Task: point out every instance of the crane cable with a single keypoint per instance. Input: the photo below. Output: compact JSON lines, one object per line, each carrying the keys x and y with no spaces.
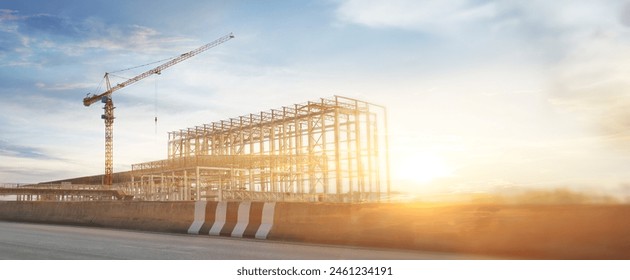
{"x":98,"y":88}
{"x":155,"y":107}
{"x":143,"y":65}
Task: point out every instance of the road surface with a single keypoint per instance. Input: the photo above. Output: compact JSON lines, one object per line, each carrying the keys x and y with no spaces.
{"x":24,"y":241}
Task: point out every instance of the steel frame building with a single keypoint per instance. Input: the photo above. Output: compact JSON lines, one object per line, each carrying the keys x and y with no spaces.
{"x":334,"y":149}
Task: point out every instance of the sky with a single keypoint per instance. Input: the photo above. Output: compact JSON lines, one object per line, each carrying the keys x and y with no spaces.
{"x":481,"y":95}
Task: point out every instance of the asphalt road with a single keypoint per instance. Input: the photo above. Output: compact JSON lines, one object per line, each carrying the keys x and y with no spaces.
{"x":23,"y":241}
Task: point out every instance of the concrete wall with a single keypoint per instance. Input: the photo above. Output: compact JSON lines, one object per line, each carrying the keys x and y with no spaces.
{"x":518,"y":231}
{"x":140,"y":215}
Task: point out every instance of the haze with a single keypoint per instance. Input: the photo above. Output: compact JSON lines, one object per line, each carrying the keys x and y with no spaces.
{"x":480,"y":94}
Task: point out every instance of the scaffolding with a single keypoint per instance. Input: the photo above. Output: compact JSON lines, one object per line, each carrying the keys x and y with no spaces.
{"x":334,"y":149}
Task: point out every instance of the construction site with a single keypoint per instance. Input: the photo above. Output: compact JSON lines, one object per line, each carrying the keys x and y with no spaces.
{"x":332,"y":149}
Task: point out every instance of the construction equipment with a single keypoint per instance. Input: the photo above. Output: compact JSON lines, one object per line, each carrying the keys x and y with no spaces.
{"x":106,"y":98}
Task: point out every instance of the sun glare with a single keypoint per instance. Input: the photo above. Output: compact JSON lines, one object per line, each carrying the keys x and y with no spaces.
{"x":421,"y":168}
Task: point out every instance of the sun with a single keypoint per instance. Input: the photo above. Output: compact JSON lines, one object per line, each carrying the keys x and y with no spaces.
{"x":420,"y":168}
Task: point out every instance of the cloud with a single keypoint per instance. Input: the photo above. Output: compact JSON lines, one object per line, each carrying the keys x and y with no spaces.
{"x":51,"y":40}
{"x":624,"y":16}
{"x":429,"y":16}
{"x":32,"y":170}
{"x":20,"y":151}
{"x":63,"y":86}
{"x":536,"y":21}
{"x":11,"y":41}
{"x":579,"y":48}
{"x":133,"y":39}
{"x":38,"y":27}
{"x":50,"y":25}
{"x":591,"y":82}
{"x":7,"y":19}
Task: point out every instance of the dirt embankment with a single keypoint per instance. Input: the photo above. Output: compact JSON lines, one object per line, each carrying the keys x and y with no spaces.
{"x":512,"y":231}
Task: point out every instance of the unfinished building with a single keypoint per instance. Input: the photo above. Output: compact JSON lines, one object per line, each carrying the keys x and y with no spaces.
{"x":334,"y":149}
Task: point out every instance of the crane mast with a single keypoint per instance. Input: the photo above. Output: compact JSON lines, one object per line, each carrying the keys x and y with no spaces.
{"x":105,"y":97}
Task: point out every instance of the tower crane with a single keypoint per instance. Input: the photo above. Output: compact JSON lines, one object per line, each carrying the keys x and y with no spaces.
{"x":106,"y":98}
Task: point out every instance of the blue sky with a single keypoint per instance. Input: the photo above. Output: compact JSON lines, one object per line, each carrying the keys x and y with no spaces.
{"x":481,"y":94}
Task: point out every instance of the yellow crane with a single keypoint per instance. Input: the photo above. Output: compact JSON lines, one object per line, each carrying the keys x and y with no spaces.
{"x":106,"y":97}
